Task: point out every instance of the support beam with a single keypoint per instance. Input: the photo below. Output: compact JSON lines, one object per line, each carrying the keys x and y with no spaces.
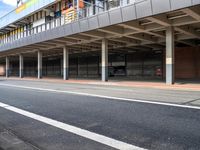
{"x":65,"y":63}
{"x":170,"y":55}
{"x":39,"y":64}
{"x":162,"y":20}
{"x":7,"y":67}
{"x":116,"y":30}
{"x":142,"y":29}
{"x":104,"y":60}
{"x":81,"y":36}
{"x":95,"y":34}
{"x":21,"y":66}
{"x":189,"y":31}
{"x":143,"y":37}
{"x":193,"y":12}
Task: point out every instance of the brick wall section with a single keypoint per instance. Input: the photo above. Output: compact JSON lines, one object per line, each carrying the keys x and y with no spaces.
{"x":187,"y":62}
{"x":2,"y":70}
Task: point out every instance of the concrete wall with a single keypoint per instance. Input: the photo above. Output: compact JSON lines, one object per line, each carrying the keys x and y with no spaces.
{"x":84,"y":66}
{"x":52,"y":67}
{"x":144,"y":64}
{"x":133,"y":65}
{"x":30,"y":66}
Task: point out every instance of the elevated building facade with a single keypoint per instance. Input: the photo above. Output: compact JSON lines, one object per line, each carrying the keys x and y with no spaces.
{"x":112,"y":39}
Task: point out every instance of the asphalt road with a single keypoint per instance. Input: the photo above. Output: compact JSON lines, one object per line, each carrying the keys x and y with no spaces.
{"x":148,"y":126}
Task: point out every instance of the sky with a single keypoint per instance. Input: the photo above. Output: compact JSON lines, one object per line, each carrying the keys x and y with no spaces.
{"x":6,"y":6}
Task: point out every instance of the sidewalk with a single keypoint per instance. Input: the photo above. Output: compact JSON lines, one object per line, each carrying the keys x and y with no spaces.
{"x":180,"y":93}
{"x":145,"y":84}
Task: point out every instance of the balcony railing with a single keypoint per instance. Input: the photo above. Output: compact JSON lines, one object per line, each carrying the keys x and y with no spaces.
{"x":30,"y":6}
{"x":71,"y":16}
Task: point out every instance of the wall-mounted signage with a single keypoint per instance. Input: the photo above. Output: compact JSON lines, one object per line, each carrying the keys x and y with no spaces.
{"x":26,"y":5}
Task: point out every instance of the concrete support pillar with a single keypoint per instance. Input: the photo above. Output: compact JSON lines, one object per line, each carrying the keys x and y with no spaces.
{"x":170,"y":55}
{"x":65,"y":63}
{"x":39,"y":64}
{"x":7,"y":67}
{"x":21,"y":66}
{"x":104,"y":60}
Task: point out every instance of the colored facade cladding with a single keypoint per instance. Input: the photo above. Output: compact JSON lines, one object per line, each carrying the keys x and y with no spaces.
{"x":26,"y":5}
{"x":27,"y":8}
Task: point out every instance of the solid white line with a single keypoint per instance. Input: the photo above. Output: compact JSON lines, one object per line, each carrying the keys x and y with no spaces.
{"x":102,"y":96}
{"x":75,"y":130}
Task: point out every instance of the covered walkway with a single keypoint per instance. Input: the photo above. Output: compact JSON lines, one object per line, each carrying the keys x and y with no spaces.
{"x":164,"y":47}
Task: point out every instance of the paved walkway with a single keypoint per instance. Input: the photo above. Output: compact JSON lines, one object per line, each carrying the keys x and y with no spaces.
{"x":149,"y":91}
{"x":190,"y":86}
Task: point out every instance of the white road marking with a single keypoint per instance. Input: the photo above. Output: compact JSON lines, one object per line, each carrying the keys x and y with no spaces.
{"x":75,"y":130}
{"x":102,"y":96}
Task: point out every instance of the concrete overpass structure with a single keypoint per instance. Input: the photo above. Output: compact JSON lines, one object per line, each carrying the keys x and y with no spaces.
{"x":116,"y":38}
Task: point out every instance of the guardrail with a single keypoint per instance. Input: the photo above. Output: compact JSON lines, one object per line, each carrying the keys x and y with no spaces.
{"x":74,"y":15}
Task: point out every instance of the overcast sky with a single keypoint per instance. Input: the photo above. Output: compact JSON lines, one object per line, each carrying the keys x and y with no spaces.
{"x":6,"y":6}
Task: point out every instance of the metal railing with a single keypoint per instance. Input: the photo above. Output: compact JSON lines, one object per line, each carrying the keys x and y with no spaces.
{"x":87,"y":11}
{"x":20,"y":12}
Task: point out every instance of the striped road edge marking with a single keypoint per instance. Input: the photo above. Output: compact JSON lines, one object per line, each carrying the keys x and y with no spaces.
{"x":102,"y":96}
{"x":75,"y":130}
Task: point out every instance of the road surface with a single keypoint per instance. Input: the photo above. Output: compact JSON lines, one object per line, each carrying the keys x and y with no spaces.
{"x":53,"y":120}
